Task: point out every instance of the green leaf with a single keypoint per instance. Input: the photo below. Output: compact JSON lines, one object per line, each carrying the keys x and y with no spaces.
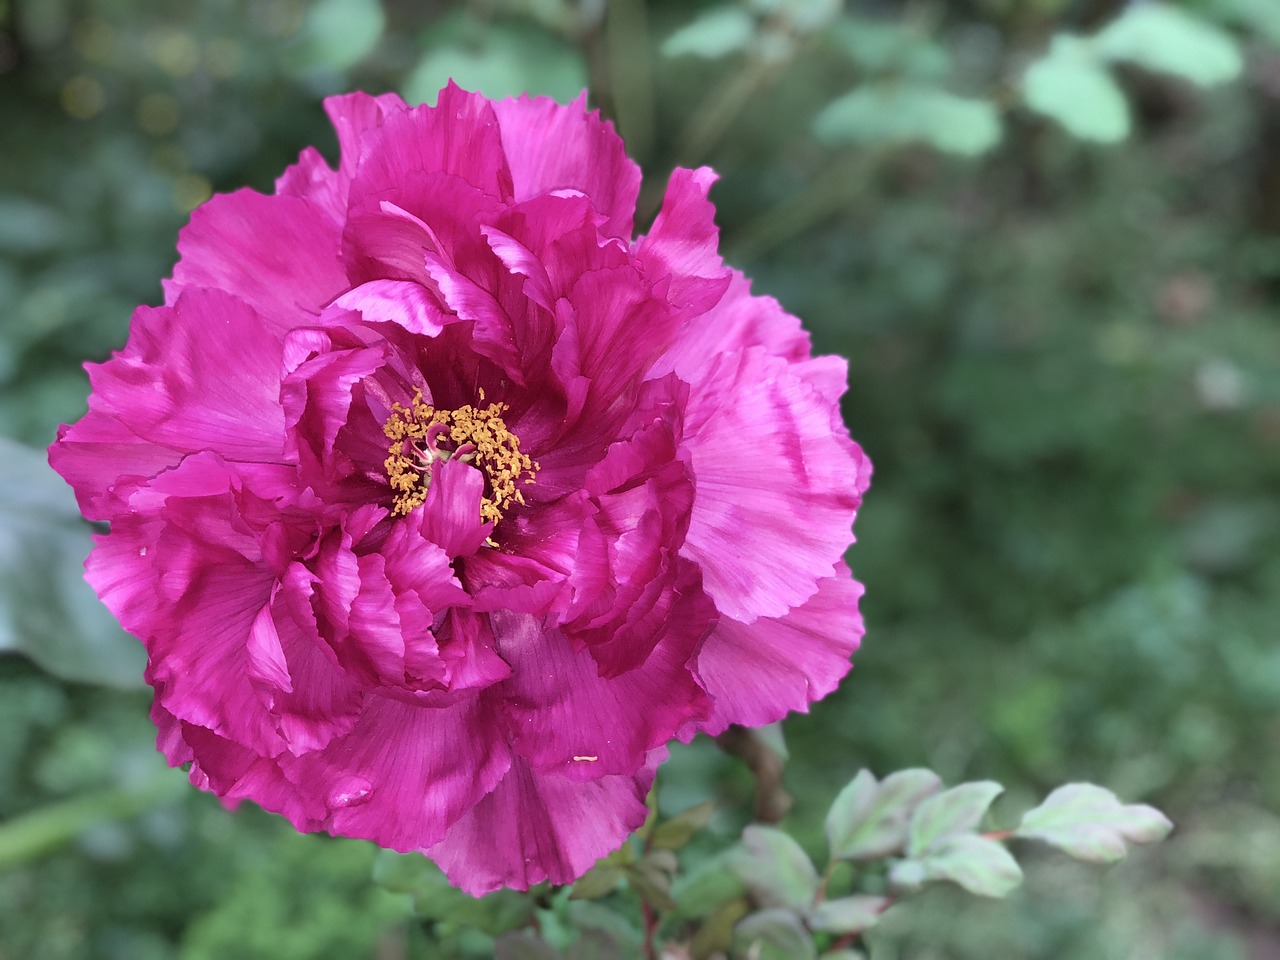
{"x":523,"y":946}
{"x":773,"y":934}
{"x":1089,"y":823}
{"x":598,"y":945}
{"x":715,"y":935}
{"x":843,"y":955}
{"x":498,"y":61}
{"x":882,"y":46}
{"x":896,"y":113}
{"x":651,"y":880}
{"x":977,"y":864}
{"x":47,"y":611}
{"x":1169,"y":40}
{"x":707,"y":886}
{"x":869,"y":820}
{"x":679,"y":830}
{"x":434,"y":898}
{"x":338,"y":34}
{"x":775,"y":868}
{"x":600,"y":881}
{"x":1069,"y":85}
{"x":958,"y":810}
{"x":847,"y":914}
{"x":712,"y":34}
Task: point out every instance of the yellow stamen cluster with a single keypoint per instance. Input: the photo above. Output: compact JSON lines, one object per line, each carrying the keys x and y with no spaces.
{"x":475,"y":435}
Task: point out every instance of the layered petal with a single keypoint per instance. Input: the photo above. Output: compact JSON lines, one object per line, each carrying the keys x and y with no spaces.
{"x":756,"y":673}
{"x":778,"y":484}
{"x":541,"y":826}
{"x":279,"y":254}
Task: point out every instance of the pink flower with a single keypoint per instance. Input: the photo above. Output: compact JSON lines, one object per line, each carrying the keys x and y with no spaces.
{"x":441,"y":505}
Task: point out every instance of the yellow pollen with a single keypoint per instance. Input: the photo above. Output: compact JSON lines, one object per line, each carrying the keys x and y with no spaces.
{"x":421,"y":434}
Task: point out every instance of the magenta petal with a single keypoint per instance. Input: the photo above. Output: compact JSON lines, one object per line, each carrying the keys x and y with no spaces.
{"x":395,"y":301}
{"x":280,"y":255}
{"x":738,"y":321}
{"x":541,"y":826}
{"x":458,"y":136}
{"x":759,"y":672}
{"x":777,"y":482}
{"x":450,"y":517}
{"x":563,"y":717}
{"x":589,"y":157}
{"x":682,"y":245}
{"x":399,"y":778}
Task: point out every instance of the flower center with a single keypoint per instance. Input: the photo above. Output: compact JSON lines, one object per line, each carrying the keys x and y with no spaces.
{"x":421,"y":434}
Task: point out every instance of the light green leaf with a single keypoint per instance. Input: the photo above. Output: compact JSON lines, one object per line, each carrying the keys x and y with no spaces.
{"x":908,"y":112}
{"x":1167,"y":39}
{"x":869,"y":820}
{"x":1257,"y":15}
{"x":1072,"y":87}
{"x":523,"y":946}
{"x":847,"y":914}
{"x":977,"y":864}
{"x":953,"y":811}
{"x":775,"y":868}
{"x":1088,"y":822}
{"x":675,"y":833}
{"x":710,"y":884}
{"x":47,"y":611}
{"x":338,"y":34}
{"x":712,"y":34}
{"x":772,"y":935}
{"x":497,"y":61}
{"x":885,"y":46}
{"x":600,"y":881}
{"x":435,"y":898}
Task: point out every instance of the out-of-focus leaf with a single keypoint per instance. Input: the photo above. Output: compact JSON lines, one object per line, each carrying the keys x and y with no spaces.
{"x":47,"y":611}
{"x":843,"y":955}
{"x":27,"y":226}
{"x":434,"y":898}
{"x":498,"y":61}
{"x":600,"y":881}
{"x":679,"y":830}
{"x":894,"y":113}
{"x":523,"y":946}
{"x":1071,"y":86}
{"x":977,"y":864}
{"x":715,"y":935}
{"x":953,"y":811}
{"x":881,"y":46}
{"x":712,"y":34}
{"x":338,"y":34}
{"x":1164,"y":38}
{"x":775,"y":868}
{"x":847,"y":914}
{"x":707,"y":886}
{"x":1259,"y":15}
{"x":773,"y":934}
{"x":1088,"y":822}
{"x":598,"y":945}
{"x":652,"y":883}
{"x":870,"y":820}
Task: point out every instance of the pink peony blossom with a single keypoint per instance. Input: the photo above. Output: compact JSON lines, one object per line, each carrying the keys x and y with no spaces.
{"x":441,"y":505}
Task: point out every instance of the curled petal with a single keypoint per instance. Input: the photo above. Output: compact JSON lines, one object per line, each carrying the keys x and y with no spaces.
{"x":778,"y":485}
{"x":757,"y":673}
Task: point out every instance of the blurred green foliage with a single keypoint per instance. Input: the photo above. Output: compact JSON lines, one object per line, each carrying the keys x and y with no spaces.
{"x":1046,"y":233}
